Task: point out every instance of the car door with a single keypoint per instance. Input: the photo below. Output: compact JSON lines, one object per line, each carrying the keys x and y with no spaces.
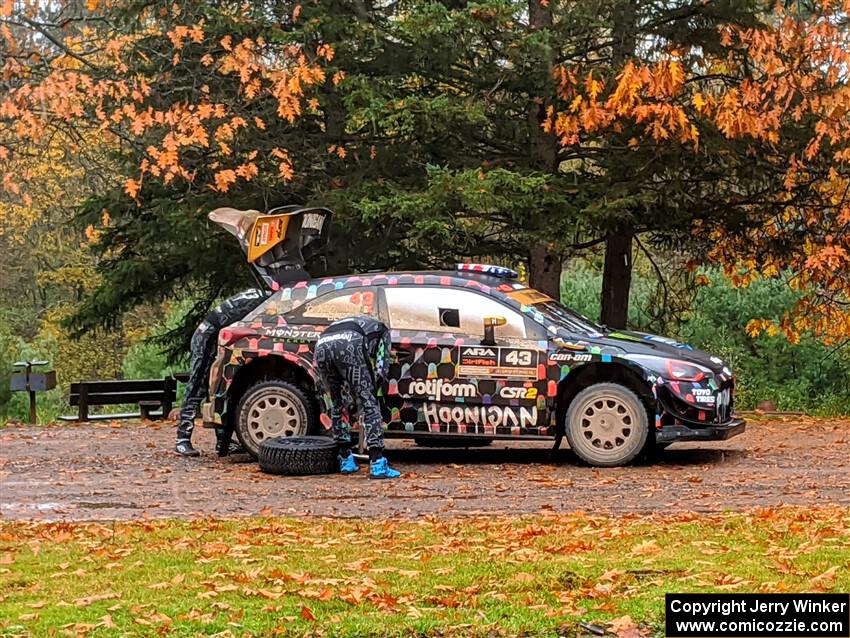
{"x":305,"y":324}
{"x":445,"y":380}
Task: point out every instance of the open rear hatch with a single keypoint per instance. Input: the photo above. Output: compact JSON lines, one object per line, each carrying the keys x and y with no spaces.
{"x":279,"y":243}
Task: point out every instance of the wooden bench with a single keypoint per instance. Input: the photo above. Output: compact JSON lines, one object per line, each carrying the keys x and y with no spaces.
{"x":149,"y":394}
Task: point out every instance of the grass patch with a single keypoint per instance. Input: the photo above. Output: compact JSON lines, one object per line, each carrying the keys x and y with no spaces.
{"x":530,"y":576}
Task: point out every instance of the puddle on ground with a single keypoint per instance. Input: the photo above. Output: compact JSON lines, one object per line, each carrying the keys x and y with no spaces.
{"x":101,"y":505}
{"x":41,"y":507}
{"x":8,"y":508}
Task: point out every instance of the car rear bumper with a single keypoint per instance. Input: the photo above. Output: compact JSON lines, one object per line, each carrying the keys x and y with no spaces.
{"x":671,"y":433}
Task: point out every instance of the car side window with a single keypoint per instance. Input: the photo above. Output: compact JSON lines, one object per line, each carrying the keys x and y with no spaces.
{"x":340,"y":304}
{"x":448,"y":310}
{"x":274,"y":305}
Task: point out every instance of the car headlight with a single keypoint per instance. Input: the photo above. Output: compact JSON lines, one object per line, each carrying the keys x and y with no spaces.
{"x":673,"y":369}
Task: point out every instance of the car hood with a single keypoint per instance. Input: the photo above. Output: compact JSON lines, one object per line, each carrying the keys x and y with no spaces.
{"x":643,"y":343}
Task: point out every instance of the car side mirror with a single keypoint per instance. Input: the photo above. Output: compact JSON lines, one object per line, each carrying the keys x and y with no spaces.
{"x":490,"y":324}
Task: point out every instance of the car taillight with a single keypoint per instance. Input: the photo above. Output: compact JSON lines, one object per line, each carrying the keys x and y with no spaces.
{"x":683,"y":371}
{"x":230,"y":335}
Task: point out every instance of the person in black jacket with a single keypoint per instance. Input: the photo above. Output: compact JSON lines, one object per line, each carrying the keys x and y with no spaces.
{"x":203,"y":349}
{"x":277,"y":245}
{"x":356,"y":352}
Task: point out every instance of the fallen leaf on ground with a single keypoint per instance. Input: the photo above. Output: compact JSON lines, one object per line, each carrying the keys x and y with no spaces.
{"x":624,"y":627}
{"x":88,"y":600}
{"x":647,"y":547}
{"x":106,"y":621}
{"x":825,"y":578}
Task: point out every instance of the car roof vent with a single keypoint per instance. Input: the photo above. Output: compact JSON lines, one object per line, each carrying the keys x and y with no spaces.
{"x":489,"y":269}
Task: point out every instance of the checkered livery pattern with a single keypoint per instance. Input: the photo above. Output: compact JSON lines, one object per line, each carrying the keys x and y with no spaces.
{"x":431,"y":388}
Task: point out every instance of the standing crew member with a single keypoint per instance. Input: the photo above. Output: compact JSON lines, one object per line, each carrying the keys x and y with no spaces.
{"x":355,"y":352}
{"x":277,"y":246}
{"x":203,"y":349}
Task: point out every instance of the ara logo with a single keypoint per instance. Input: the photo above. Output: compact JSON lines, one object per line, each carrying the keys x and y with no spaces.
{"x":478,"y":352}
{"x":437,"y":389}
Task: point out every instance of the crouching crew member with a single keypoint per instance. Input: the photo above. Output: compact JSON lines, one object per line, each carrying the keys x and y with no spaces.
{"x":356,"y":352}
{"x":203,"y":348}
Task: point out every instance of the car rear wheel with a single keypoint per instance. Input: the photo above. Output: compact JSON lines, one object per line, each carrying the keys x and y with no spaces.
{"x":269,"y":409}
{"x":607,"y":424}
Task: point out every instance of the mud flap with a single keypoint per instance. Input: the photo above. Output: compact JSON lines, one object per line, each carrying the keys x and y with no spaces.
{"x":560,"y":430}
{"x":223,"y":436}
{"x":559,"y":436}
{"x":209,"y":417}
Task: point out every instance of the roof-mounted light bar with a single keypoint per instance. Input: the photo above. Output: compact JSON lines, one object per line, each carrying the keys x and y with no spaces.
{"x":489,"y":269}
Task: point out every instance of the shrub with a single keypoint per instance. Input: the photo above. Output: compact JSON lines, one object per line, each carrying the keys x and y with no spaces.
{"x":808,"y":376}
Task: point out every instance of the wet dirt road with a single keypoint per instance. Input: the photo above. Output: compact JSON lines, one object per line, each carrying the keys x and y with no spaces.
{"x":122,"y":471}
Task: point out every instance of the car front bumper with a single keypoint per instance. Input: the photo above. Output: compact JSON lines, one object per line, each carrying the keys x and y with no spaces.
{"x":672,"y":433}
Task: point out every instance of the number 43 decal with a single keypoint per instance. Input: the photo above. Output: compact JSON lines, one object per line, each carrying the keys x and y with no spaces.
{"x":516,"y":358}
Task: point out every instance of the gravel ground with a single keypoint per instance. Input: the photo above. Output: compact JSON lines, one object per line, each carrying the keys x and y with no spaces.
{"x":127,"y":470}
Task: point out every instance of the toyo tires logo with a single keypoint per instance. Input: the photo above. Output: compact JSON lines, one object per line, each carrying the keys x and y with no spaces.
{"x":437,"y":389}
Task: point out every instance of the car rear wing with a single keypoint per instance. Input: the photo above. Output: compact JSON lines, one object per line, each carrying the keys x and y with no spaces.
{"x":278,"y":243}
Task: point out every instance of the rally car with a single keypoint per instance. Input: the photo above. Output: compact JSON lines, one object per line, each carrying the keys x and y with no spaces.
{"x":477,"y":356}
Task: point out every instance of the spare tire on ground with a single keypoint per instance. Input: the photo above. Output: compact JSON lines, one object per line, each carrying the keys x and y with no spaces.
{"x":299,"y":455}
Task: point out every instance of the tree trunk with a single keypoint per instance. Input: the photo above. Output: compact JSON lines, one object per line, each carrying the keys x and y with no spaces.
{"x":544,"y":270}
{"x":616,"y":280}
{"x":544,"y":264}
{"x":617,"y":275}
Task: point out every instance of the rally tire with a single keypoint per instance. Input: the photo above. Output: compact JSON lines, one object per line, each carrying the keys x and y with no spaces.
{"x":607,"y":425}
{"x":271,"y":408}
{"x":299,"y":455}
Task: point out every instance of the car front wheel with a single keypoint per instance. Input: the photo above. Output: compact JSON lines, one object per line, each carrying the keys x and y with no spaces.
{"x":607,"y":424}
{"x":269,"y":409}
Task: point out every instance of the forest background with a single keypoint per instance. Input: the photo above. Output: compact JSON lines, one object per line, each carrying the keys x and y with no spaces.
{"x":678,"y":168}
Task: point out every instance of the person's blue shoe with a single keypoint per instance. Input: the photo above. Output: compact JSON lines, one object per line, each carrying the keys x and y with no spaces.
{"x":348,"y":465}
{"x":380,"y":469}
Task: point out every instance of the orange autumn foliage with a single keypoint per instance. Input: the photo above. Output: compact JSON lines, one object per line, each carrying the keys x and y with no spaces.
{"x":768,"y":84}
{"x":66,"y":82}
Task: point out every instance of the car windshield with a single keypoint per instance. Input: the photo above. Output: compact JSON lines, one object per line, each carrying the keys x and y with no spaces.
{"x":556,"y":313}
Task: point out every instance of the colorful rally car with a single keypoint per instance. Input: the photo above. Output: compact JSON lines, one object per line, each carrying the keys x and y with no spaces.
{"x":477,"y":356}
